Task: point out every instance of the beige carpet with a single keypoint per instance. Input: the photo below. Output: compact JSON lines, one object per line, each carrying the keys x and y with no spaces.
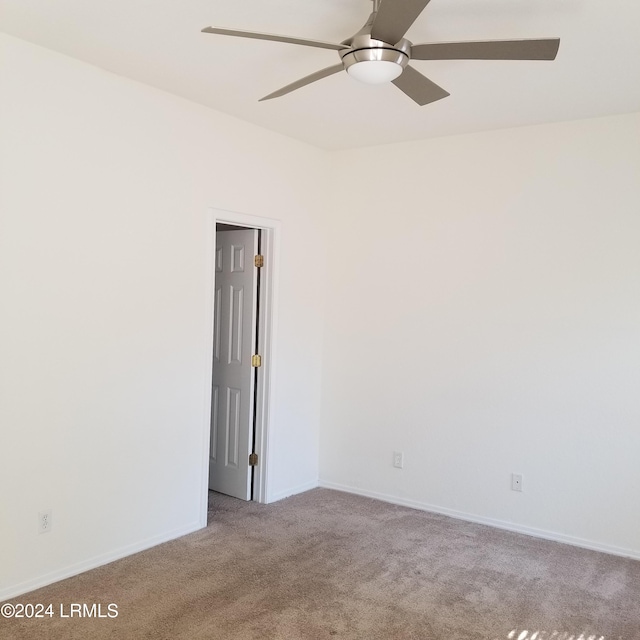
{"x":328,"y":565}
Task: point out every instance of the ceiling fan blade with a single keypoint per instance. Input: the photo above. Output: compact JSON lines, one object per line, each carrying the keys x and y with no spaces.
{"x":543,"y":49}
{"x":269,"y":36}
{"x":318,"y":75}
{"x":394,"y":18}
{"x":419,"y":88}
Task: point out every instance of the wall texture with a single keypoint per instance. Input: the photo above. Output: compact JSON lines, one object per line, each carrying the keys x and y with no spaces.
{"x":106,"y":186}
{"x":484,"y":318}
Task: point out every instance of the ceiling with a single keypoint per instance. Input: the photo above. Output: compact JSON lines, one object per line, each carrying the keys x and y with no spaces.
{"x":158,"y":42}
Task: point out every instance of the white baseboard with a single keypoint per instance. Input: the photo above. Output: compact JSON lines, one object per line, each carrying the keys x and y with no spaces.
{"x":92,"y":563}
{"x":280,"y":495}
{"x":491,"y":522}
{"x":97,"y":561}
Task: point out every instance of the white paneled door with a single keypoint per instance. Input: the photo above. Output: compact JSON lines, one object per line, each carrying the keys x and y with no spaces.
{"x":233,"y":376}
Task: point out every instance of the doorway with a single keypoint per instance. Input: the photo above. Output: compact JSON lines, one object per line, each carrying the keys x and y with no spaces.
{"x":242,"y":322}
{"x":236,"y":360}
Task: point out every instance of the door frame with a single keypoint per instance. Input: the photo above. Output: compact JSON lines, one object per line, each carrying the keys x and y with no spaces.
{"x":267,"y":323}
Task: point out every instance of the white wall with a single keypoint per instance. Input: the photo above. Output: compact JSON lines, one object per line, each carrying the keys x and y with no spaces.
{"x":483,"y":317}
{"x":105,"y":186}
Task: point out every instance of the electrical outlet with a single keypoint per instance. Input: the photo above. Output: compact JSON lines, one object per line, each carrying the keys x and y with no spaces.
{"x":398,"y":459}
{"x":45,"y":521}
{"x":516,"y":482}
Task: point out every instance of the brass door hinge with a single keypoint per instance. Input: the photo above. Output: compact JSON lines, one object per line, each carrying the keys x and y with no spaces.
{"x":256,"y":361}
{"x":253,"y":459}
{"x":259,"y":261}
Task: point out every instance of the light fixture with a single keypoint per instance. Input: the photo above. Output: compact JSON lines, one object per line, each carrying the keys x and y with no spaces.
{"x":375,"y":64}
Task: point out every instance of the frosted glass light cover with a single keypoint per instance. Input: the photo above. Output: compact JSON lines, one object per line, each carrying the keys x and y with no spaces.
{"x":375,"y":71}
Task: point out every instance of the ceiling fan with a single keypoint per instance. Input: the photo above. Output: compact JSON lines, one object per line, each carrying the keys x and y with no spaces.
{"x":379,"y":52}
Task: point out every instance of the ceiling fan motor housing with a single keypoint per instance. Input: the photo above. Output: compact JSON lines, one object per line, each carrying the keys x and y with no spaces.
{"x":364,"y":49}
